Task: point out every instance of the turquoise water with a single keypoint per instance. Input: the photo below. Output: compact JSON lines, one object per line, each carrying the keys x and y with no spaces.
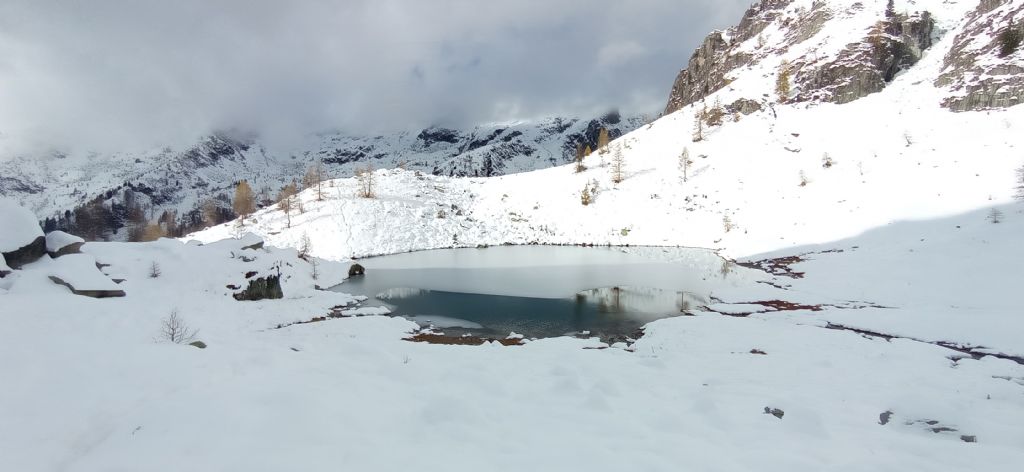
{"x":537,"y":291}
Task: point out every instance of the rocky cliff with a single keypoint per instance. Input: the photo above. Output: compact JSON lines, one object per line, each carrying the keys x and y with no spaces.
{"x":839,"y":51}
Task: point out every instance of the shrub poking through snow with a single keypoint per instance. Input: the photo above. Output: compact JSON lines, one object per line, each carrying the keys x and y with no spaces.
{"x":154,"y":270}
{"x":585,"y":197}
{"x":727,"y":223}
{"x":803,"y":179}
{"x":174,"y":329}
{"x":827,"y":162}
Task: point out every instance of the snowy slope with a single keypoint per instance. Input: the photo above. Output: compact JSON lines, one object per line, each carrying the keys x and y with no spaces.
{"x":896,"y":155}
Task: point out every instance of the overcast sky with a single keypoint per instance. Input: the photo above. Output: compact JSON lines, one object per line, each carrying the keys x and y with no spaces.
{"x":116,"y":74}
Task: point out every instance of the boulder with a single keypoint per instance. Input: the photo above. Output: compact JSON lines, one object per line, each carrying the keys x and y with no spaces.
{"x":59,"y":243}
{"x":21,"y":241}
{"x":4,"y":269}
{"x":356,"y":269}
{"x":79,"y":274}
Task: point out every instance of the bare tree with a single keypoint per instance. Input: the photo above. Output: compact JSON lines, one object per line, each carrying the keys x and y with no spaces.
{"x":367,"y":181}
{"x":286,"y":201}
{"x":995,"y":216}
{"x":314,"y":179}
{"x":174,"y":329}
{"x":618,"y":166}
{"x":154,"y":270}
{"x":579,"y":159}
{"x":685,"y":163}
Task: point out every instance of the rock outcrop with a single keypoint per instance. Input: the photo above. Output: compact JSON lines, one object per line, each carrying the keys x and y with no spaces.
{"x":21,"y":240}
{"x":59,"y":243}
{"x":975,"y":70}
{"x":262,"y":288}
{"x":867,"y":66}
{"x":709,"y":66}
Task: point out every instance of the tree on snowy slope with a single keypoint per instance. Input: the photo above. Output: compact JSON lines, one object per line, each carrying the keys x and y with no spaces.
{"x":314,"y":178}
{"x":366,"y":180}
{"x":286,"y":201}
{"x":685,"y":163}
{"x":579,"y":159}
{"x":245,"y":202}
{"x":602,"y":141}
{"x":618,"y":166}
{"x":782,"y":82}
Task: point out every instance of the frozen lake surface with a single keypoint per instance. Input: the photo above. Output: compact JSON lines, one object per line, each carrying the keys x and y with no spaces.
{"x":543,"y":291}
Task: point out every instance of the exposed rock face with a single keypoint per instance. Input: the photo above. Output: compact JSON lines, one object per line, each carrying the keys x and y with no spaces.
{"x":865,"y":67}
{"x":263,"y":288}
{"x":26,"y":254}
{"x":708,"y":68}
{"x":973,"y":69}
{"x":743,"y":106}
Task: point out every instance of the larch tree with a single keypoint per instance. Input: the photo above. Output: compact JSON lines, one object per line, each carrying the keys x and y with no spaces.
{"x":245,"y":201}
{"x":698,"y":127}
{"x":618,"y":166}
{"x":314,"y":179}
{"x":579,"y":159}
{"x":685,"y":163}
{"x":286,"y":201}
{"x":782,"y":82}
{"x":602,"y":141}
{"x":210,"y":213}
{"x":366,"y":181}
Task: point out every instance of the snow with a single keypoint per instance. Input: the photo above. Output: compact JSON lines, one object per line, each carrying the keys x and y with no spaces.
{"x":57,"y":240}
{"x":19,"y":226}
{"x":895,"y":239}
{"x":80,"y":271}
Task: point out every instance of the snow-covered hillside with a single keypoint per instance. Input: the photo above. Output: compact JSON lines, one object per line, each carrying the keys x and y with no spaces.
{"x":784,"y":176}
{"x":182,"y":179}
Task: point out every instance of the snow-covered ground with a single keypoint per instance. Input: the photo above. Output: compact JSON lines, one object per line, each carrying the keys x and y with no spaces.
{"x":89,"y":387}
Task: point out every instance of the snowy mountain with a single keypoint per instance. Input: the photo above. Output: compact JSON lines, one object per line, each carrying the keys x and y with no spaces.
{"x":181,"y":180}
{"x":772,"y":172}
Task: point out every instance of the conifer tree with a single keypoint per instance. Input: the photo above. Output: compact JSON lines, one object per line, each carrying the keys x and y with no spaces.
{"x":782,"y":82}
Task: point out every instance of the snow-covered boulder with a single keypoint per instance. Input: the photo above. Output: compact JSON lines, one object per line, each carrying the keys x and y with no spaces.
{"x":21,"y":238}
{"x":78,"y":273}
{"x":59,"y":243}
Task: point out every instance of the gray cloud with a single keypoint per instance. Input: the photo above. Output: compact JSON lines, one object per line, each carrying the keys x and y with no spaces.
{"x":111,"y":74}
